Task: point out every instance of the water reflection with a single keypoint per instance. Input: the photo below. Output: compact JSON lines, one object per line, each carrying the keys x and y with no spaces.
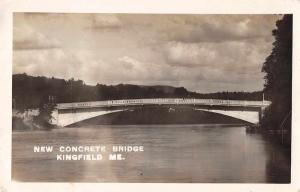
{"x":173,"y":153}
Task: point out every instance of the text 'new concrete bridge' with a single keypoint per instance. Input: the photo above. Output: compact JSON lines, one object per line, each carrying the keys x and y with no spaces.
{"x":69,"y":113}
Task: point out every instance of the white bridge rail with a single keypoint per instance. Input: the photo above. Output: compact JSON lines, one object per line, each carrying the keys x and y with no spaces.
{"x":162,"y":101}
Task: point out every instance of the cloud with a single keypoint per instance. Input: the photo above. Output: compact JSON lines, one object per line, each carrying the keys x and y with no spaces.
{"x":204,"y":53}
{"x":40,"y":42}
{"x":188,"y":55}
{"x":25,"y":37}
{"x":236,"y":56}
{"x":106,"y":21}
{"x":212,"y":28}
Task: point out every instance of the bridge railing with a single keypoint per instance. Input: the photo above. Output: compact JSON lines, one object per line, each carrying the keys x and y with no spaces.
{"x":164,"y":101}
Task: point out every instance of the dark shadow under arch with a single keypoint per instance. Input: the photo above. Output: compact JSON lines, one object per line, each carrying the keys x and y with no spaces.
{"x":160,"y":115}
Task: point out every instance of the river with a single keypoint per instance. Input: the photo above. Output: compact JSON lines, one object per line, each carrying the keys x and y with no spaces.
{"x":172,"y":153}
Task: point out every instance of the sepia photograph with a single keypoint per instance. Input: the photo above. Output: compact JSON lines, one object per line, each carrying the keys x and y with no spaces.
{"x":151,"y":98}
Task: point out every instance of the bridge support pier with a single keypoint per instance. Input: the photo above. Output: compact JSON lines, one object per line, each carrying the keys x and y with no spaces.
{"x":261,"y":114}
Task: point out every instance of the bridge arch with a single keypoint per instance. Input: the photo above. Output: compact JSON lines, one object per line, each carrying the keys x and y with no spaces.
{"x":69,"y":113}
{"x":247,"y":116}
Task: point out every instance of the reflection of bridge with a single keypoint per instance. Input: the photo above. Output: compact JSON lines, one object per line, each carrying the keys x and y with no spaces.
{"x":69,"y":113}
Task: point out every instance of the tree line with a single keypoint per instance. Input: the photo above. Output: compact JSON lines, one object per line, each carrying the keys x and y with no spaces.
{"x":32,"y":92}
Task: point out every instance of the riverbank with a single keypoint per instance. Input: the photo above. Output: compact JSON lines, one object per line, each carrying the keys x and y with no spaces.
{"x":29,"y":121}
{"x":19,"y":124}
{"x":279,"y":136}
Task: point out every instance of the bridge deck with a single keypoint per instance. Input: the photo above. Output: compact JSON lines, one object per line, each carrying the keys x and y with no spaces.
{"x":163,"y":101}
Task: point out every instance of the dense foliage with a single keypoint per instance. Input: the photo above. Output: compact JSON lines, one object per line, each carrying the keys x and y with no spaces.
{"x":34,"y":92}
{"x":278,"y":78}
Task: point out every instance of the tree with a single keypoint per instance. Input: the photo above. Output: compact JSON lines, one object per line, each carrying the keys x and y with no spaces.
{"x":180,"y":92}
{"x":278,"y":78}
{"x":45,"y":113}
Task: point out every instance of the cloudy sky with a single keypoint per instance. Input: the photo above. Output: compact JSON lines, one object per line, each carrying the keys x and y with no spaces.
{"x":204,"y":53}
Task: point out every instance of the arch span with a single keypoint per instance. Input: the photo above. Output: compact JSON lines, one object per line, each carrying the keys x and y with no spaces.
{"x":248,"y":116}
{"x":156,"y":115}
{"x":65,"y":119}
{"x":69,"y":113}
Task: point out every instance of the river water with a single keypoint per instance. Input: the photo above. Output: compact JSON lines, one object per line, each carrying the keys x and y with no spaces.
{"x":172,"y":153}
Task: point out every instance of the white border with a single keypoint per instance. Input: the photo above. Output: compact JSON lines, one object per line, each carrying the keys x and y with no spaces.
{"x":7,"y":7}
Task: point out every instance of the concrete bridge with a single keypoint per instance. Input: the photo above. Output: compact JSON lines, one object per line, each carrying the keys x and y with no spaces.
{"x":69,"y":113}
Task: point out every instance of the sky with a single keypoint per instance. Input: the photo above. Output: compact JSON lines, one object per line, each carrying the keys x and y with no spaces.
{"x":203,"y":53}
